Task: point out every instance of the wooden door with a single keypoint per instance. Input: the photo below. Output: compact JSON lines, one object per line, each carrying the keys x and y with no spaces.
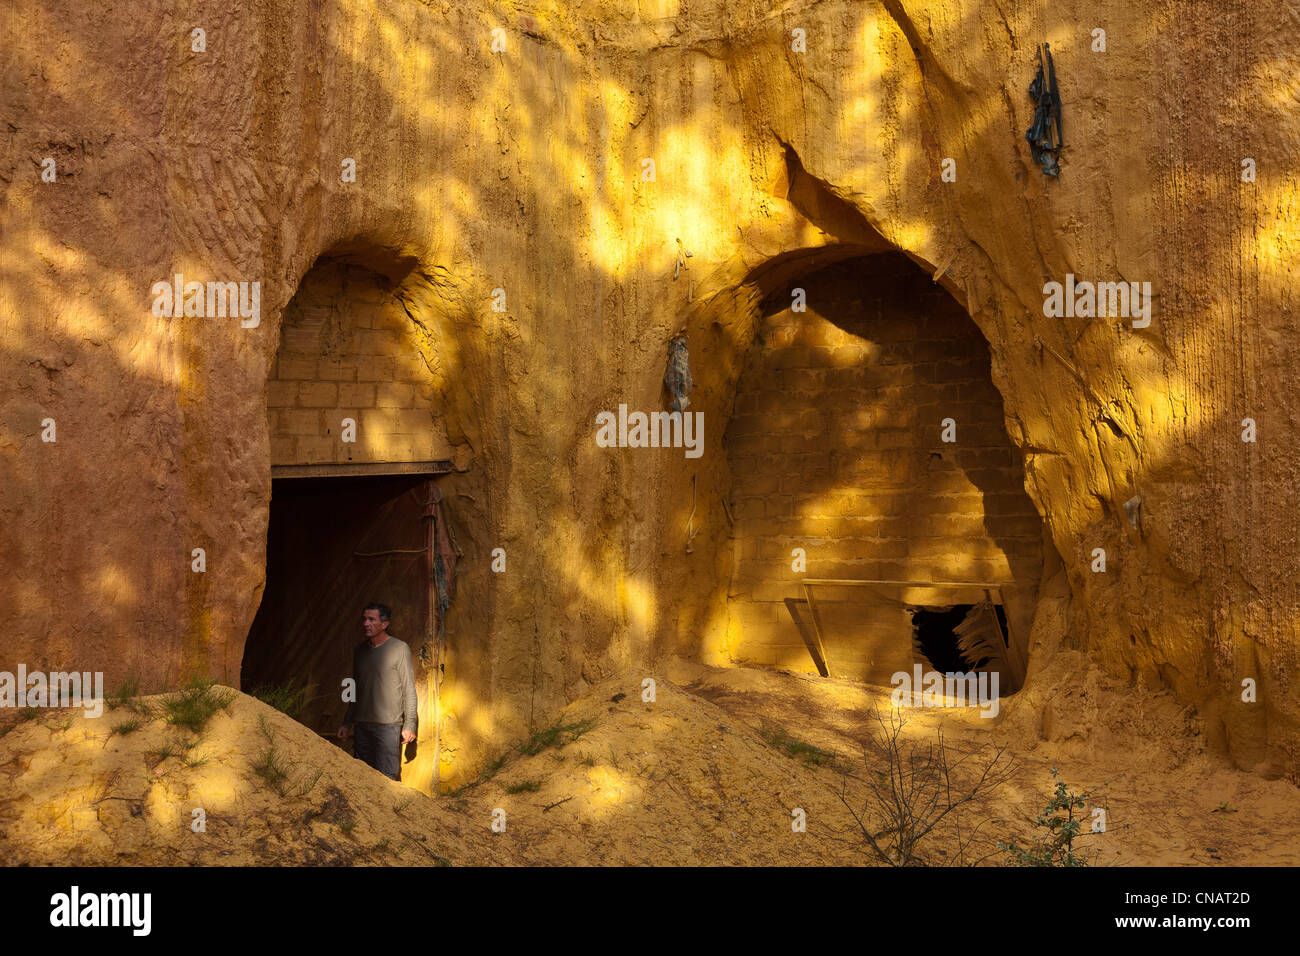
{"x":333,"y":546}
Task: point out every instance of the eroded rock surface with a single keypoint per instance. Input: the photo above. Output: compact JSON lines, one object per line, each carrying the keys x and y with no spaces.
{"x":524,"y":171}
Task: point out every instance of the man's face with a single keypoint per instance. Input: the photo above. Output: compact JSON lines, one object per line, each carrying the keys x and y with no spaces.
{"x":371,"y":623}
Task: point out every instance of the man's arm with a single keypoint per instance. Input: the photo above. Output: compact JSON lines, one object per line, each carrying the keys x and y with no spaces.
{"x":410,"y":719}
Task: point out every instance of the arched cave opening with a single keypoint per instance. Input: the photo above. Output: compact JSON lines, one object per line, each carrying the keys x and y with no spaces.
{"x":863,"y":539}
{"x":357,"y":514}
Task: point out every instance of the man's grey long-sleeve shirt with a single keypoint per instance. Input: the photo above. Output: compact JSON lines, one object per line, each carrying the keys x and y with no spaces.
{"x":385,"y":685}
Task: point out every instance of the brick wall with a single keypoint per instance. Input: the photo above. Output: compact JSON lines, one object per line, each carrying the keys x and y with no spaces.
{"x":348,"y":350}
{"x":834,"y":446}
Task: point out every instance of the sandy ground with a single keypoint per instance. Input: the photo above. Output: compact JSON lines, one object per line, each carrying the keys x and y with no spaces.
{"x":691,"y":778}
{"x":1167,"y":802}
{"x":76,"y":792}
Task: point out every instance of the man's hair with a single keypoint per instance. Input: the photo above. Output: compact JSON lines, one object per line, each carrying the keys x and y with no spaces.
{"x":383,"y":610}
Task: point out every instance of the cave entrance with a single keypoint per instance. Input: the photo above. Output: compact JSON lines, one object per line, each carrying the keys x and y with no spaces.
{"x":362,"y":400}
{"x":336,"y":542}
{"x":841,"y":477}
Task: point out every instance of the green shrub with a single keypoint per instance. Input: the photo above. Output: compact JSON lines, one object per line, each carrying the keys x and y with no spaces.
{"x":1058,"y":828}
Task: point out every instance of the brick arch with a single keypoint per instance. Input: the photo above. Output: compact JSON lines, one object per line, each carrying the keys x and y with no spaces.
{"x":350,"y":350}
{"x":835,"y":446}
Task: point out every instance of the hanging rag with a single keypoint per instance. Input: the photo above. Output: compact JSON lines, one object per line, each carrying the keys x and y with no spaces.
{"x":1045,"y":147}
{"x":445,"y":555}
{"x":677,"y":376}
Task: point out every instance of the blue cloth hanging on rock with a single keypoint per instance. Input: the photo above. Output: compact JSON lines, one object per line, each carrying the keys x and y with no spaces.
{"x":1045,"y":147}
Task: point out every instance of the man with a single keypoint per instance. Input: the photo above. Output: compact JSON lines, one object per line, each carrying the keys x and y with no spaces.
{"x":383,"y":714}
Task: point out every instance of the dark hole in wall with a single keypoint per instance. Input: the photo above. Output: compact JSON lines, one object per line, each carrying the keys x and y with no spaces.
{"x":309,"y":620}
{"x":934,"y":635}
{"x":1114,"y":428}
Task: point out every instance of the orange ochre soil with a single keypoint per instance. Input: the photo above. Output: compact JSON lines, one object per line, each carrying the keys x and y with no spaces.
{"x":698,"y":776}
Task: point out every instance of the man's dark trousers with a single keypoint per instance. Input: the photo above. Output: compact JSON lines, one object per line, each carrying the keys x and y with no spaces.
{"x":380,"y":745}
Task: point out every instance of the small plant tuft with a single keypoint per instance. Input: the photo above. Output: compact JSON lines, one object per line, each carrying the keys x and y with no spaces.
{"x":289,"y":698}
{"x":524,"y":786}
{"x":126,"y":692}
{"x":487,"y":773}
{"x":776,"y":736}
{"x":557,"y":735}
{"x":170,"y":749}
{"x":271,"y":768}
{"x":130,"y":725}
{"x":194,"y":705}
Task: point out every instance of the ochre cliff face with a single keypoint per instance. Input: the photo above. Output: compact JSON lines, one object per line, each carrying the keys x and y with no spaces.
{"x":524,"y":170}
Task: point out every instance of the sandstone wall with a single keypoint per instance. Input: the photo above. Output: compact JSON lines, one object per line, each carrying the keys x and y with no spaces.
{"x":523,"y":170}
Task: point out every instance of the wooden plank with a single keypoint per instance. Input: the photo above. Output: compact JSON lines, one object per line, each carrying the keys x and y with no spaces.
{"x":351,"y":468}
{"x":810,"y":640}
{"x":825,"y":665}
{"x":864,"y":582}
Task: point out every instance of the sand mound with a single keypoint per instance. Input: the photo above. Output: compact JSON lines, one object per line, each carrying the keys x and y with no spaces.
{"x":78,"y":792}
{"x":1167,"y":801}
{"x":676,"y":781}
{"x":709,"y":772}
